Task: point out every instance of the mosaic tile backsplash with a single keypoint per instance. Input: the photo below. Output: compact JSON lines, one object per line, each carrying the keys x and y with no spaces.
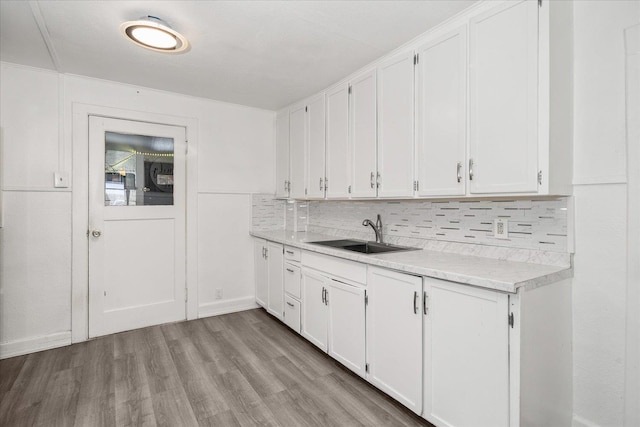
{"x":533,"y":224}
{"x":539,"y":225}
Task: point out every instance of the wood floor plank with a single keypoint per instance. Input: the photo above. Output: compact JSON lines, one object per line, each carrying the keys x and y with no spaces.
{"x":240,"y":369}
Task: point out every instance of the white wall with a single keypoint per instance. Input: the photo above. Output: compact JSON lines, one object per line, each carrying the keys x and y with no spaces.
{"x":599,"y":286}
{"x":235,"y":157}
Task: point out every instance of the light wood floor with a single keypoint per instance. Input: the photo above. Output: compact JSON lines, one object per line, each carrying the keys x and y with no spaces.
{"x":238,"y":369}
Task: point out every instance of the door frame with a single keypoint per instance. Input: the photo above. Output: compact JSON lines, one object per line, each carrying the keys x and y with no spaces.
{"x":80,"y":207}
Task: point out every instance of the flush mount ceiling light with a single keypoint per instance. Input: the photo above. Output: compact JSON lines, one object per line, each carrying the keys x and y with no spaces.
{"x":155,"y":34}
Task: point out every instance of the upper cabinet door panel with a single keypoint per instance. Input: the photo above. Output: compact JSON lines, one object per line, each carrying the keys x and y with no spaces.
{"x":363,"y":135}
{"x":441,"y":115}
{"x":338,"y":142}
{"x":503,"y":99}
{"x":395,"y":126}
{"x":282,"y":154}
{"x":297,"y":150}
{"x":316,"y":144}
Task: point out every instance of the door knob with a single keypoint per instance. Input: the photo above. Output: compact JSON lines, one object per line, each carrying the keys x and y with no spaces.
{"x":96,"y":233}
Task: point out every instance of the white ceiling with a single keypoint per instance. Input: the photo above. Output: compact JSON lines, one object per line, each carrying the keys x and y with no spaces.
{"x":264,"y":54}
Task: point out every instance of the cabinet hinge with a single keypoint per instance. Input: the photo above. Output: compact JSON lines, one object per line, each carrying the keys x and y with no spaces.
{"x":349,"y":189}
{"x":349,"y":90}
{"x":186,"y":294}
{"x":416,"y":185}
{"x":326,"y":184}
{"x":511,"y":319}
{"x":186,"y":147}
{"x":366,"y":368}
{"x":540,"y":177}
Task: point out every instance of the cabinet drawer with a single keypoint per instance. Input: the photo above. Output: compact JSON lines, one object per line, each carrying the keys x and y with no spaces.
{"x":292,"y":280}
{"x":292,"y":313}
{"x":291,"y":254}
{"x":336,"y":267}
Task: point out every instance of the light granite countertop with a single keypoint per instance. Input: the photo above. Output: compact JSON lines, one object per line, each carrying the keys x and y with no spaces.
{"x":490,"y":273}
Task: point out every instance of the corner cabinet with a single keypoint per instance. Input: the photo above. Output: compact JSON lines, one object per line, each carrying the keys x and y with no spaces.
{"x":269,"y":280}
{"x":394,"y":335}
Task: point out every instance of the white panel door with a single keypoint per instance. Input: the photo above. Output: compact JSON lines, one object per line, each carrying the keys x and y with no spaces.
{"x":314,"y":308}
{"x":282,"y":154}
{"x":466,"y":355}
{"x":441,"y":115}
{"x":297,"y":146}
{"x":503,"y":99}
{"x":394,"y":332}
{"x":316,"y":147}
{"x":338,"y":165}
{"x":363,"y":136}
{"x":137,"y":225}
{"x":347,"y":325}
{"x":275,"y":262}
{"x":261,"y":272}
{"x":395,"y":126}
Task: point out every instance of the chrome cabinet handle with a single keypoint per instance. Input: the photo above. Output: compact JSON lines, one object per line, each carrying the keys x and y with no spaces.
{"x":424,"y":303}
{"x":470,"y":169}
{"x":289,"y":304}
{"x":415,"y":302}
{"x":459,"y":171}
{"x":373,"y":175}
{"x":323,"y":295}
{"x":378,"y":180}
{"x":326,"y":297}
{"x":96,"y":233}
{"x":289,"y":270}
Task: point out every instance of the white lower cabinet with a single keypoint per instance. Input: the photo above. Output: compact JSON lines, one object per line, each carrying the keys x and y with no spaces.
{"x":394,"y":335}
{"x":333,"y":318}
{"x":275,"y":260}
{"x":292,"y":313}
{"x":261,"y":272}
{"x":466,"y":355}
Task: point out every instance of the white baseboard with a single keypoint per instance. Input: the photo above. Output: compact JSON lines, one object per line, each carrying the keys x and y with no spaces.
{"x":32,"y":345}
{"x":581,"y":422}
{"x":227,"y":306}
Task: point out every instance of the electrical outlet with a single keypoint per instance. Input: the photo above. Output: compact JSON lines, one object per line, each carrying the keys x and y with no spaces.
{"x":500,"y":228}
{"x":218,"y":293}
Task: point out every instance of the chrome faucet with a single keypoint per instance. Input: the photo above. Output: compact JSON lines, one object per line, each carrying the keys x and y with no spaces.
{"x":377,"y":227}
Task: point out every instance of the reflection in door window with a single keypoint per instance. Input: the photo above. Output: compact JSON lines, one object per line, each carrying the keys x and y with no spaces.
{"x":138,"y":170}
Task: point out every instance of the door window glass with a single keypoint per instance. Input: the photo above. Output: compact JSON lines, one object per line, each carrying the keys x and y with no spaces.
{"x":138,"y":170}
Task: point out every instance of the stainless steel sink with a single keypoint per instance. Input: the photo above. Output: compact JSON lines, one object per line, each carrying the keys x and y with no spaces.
{"x":363,"y":246}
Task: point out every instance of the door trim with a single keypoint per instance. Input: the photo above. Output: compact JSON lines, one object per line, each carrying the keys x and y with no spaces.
{"x":80,"y":207}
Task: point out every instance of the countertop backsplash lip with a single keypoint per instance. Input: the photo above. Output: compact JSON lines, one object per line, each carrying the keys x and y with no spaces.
{"x":504,"y":275}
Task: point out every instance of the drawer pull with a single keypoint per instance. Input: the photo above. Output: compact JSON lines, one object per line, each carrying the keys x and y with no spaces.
{"x":289,"y":304}
{"x":289,"y":270}
{"x":290,"y":252}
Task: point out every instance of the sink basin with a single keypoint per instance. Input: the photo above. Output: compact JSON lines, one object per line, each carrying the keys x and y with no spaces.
{"x":363,"y":247}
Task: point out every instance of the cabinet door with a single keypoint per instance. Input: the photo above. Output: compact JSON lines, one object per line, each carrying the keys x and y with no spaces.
{"x":363,"y":135}
{"x":261,"y":275}
{"x":282,"y":154}
{"x":395,"y":126}
{"x":275,"y":262}
{"x":347,"y":325}
{"x":338,"y":169}
{"x":394,"y":332}
{"x":297,"y":143}
{"x":314,"y":309}
{"x":466,"y":355}
{"x":503,"y":98}
{"x":441,"y":115}
{"x":316,"y":145}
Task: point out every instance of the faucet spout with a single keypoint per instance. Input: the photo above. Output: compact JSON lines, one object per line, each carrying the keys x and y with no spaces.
{"x":377,"y":227}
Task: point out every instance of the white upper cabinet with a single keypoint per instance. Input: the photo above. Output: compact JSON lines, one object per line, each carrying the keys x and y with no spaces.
{"x":282,"y":154}
{"x":395,"y":81}
{"x":297,"y":142}
{"x":338,"y":153}
{"x":316,"y":147}
{"x":362,"y":118}
{"x":504,"y":99}
{"x":441,"y":87}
